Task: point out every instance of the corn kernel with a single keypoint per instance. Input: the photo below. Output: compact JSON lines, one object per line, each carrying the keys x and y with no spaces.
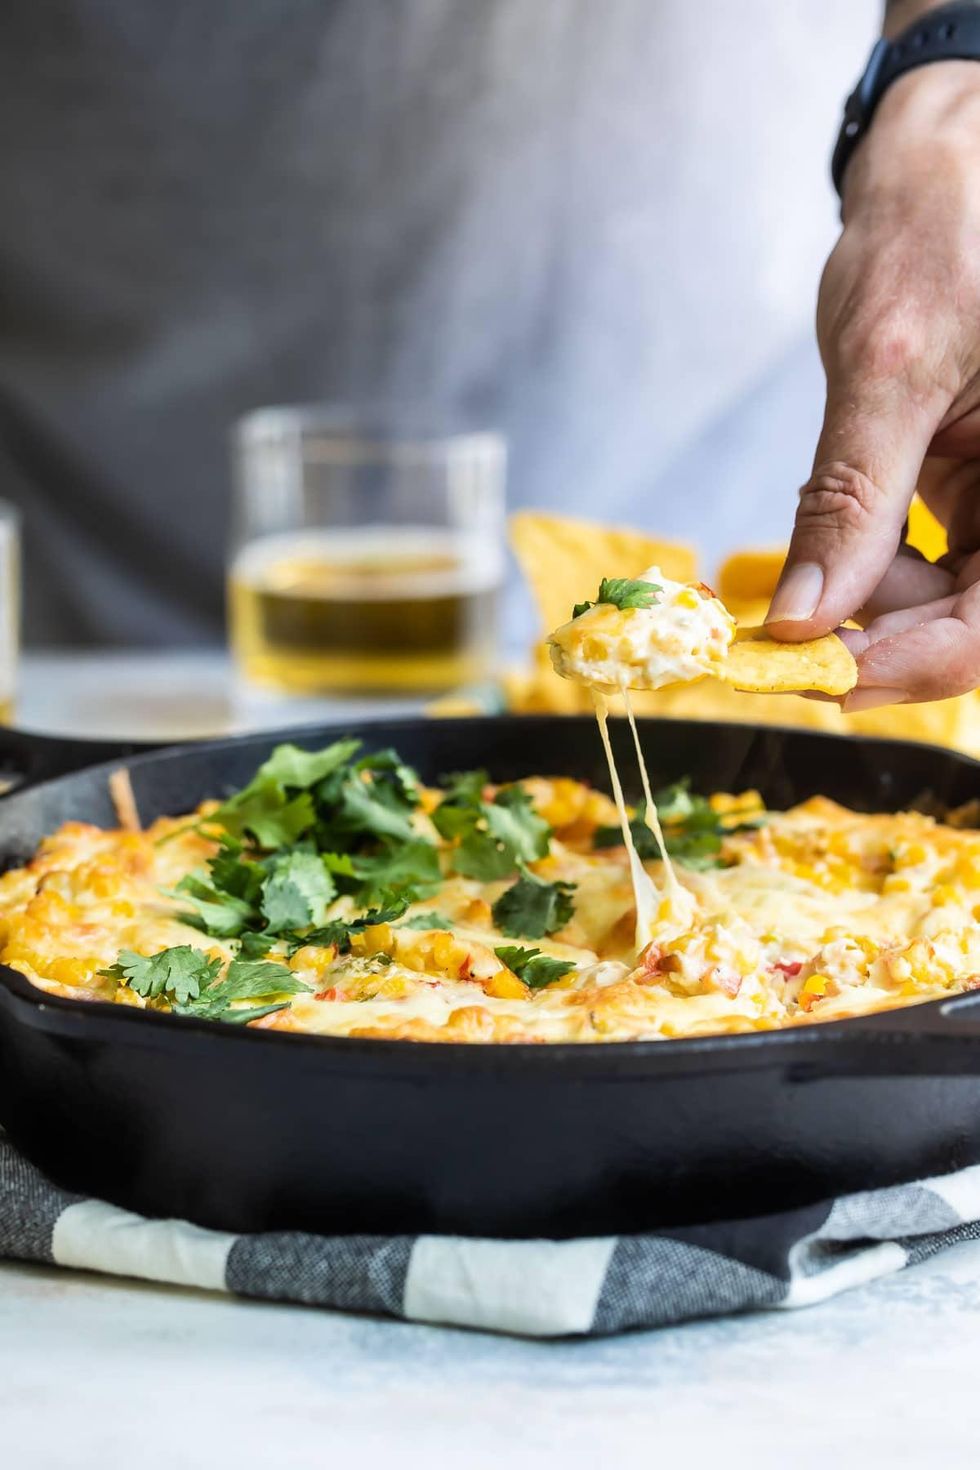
{"x":72,"y":972}
{"x":372,"y":941}
{"x":506,"y":986}
{"x":314,"y":958}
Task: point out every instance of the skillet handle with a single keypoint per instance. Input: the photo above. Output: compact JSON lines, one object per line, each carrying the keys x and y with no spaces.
{"x":27,"y":758}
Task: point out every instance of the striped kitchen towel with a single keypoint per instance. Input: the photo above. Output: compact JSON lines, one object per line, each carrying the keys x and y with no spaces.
{"x":537,"y":1288}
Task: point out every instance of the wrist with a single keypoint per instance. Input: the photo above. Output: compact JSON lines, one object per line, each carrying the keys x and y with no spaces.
{"x":927,"y":122}
{"x":943,"y":33}
{"x":931,"y":97}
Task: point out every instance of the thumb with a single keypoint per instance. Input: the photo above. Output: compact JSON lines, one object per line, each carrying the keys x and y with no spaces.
{"x":852,"y":510}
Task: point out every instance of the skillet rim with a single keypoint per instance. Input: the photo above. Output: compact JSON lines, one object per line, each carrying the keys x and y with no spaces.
{"x":898,"y":1027}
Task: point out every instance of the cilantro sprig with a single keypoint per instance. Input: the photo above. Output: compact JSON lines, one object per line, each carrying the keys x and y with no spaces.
{"x":322,"y":845}
{"x":373,"y":798}
{"x":622,"y":592}
{"x":532,"y":907}
{"x":286,"y":890}
{"x":537,"y":970}
{"x":189,"y":982}
{"x":276,"y":807}
{"x":338,"y":932}
{"x":412,"y":867}
{"x":296,"y":892}
{"x":492,"y":838}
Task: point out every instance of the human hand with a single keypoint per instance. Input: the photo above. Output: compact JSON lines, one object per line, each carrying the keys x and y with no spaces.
{"x":898,"y":324}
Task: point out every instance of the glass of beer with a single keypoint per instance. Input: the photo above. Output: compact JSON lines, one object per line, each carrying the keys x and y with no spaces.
{"x":365,"y":558}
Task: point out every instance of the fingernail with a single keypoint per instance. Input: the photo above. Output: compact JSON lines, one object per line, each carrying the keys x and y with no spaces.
{"x":860,"y":699}
{"x":797,"y":596}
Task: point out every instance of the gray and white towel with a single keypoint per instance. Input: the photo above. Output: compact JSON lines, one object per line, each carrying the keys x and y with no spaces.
{"x":536,"y":1288}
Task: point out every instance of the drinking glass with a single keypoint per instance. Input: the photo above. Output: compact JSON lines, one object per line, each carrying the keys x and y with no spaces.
{"x":366,"y":557}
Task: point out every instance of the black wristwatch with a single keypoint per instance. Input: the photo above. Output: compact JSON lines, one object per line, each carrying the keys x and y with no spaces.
{"x":950,"y":33}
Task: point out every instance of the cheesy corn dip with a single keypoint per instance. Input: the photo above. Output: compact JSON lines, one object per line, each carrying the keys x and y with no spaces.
{"x":337,"y":895}
{"x":643,"y":634}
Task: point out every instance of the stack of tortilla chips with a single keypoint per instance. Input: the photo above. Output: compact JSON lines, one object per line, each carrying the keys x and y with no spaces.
{"x":564,"y":560}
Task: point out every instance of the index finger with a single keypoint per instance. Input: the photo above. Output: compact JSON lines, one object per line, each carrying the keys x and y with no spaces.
{"x":852,"y":509}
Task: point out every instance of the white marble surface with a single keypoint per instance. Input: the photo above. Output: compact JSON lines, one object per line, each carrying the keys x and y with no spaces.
{"x":113,"y":1374}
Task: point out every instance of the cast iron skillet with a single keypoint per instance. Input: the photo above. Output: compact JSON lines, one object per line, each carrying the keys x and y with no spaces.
{"x":254,"y":1130}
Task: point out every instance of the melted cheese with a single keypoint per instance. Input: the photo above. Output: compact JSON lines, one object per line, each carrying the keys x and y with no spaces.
{"x":650,"y":814}
{"x":645,"y":894}
{"x":822,"y":913}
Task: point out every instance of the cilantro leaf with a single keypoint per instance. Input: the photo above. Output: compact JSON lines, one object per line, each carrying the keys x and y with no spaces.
{"x":389,"y":763}
{"x":350,"y":806}
{"x":465,"y":788}
{"x":296,"y":789}
{"x":501,"y":834}
{"x":244,"y":980}
{"x":452,"y":820}
{"x":536,"y":969}
{"x":338,"y":932}
{"x":222,"y":915}
{"x":622,"y":592}
{"x":252,"y":979}
{"x":229,"y":874}
{"x":479,"y":856}
{"x":290,"y":767}
{"x":255,"y":946}
{"x":409,"y":865}
{"x":532,"y":908}
{"x":462,"y":804}
{"x":189,"y":982}
{"x":460,"y":808}
{"x":176,"y":975}
{"x":276,"y":807}
{"x":296,"y":892}
{"x":263,"y":812}
{"x":426,"y":921}
{"x":511,"y":819}
{"x":626,"y":592}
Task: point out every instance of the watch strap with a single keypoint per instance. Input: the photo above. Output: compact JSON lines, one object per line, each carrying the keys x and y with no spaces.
{"x":949,"y":33}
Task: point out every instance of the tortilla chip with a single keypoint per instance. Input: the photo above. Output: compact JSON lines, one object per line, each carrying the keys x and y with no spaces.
{"x":760,"y":664}
{"x":750,"y":576}
{"x":954,"y":723}
{"x":925,"y":533}
{"x":564,"y":559}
